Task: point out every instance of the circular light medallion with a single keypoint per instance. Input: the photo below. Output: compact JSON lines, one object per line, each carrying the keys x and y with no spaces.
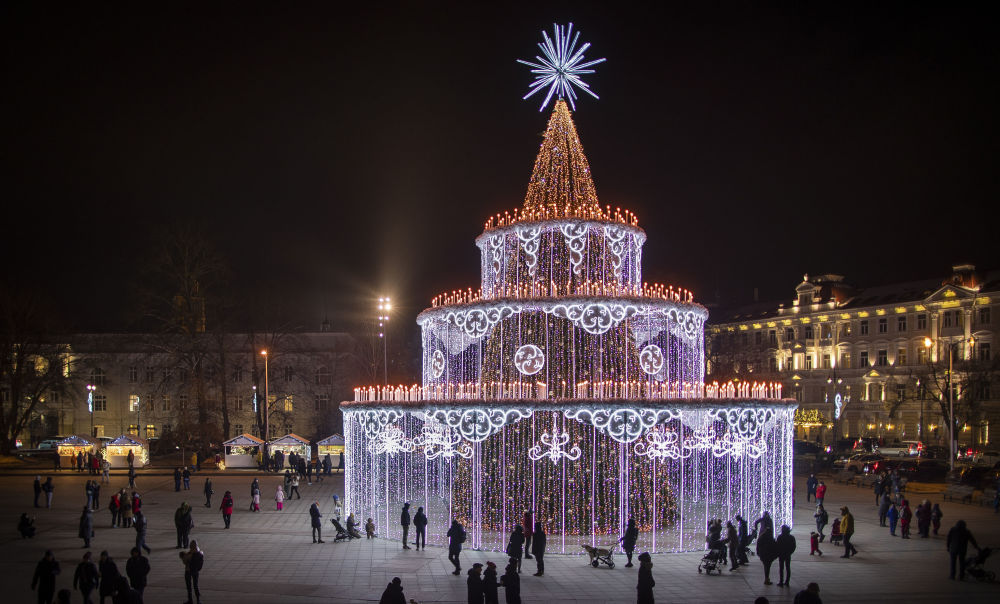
{"x":651,"y":359}
{"x":437,"y":364}
{"x":529,"y":359}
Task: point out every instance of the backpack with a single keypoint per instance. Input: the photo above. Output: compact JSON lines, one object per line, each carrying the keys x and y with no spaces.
{"x":197,"y":562}
{"x":462,"y":536}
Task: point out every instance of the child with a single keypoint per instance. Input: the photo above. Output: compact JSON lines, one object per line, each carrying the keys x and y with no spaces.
{"x":835,"y":534}
{"x":279,"y":497}
{"x":255,"y":505}
{"x":370,"y":528}
{"x":814,"y":543}
{"x":893,"y":516}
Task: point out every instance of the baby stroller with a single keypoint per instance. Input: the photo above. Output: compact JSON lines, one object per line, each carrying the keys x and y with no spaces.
{"x":715,"y":560}
{"x":974,"y":566}
{"x":342,"y":535}
{"x":600,"y":554}
{"x":836,"y":537}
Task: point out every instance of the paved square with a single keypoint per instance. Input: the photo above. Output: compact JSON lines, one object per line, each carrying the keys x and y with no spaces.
{"x":269,"y":556}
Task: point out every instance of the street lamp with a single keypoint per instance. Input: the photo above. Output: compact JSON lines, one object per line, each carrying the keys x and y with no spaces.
{"x":267,"y":407}
{"x":951,"y":403}
{"x":90,"y":406}
{"x":384,"y":307}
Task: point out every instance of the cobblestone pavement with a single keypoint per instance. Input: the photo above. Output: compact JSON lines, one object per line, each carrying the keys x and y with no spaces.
{"x":269,"y":556}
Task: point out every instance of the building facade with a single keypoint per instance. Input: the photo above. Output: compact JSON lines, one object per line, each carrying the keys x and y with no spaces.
{"x":157,"y":385}
{"x":874,"y":361}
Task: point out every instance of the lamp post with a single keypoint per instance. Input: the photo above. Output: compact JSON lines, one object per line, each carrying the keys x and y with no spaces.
{"x":267,"y":407}
{"x":90,"y":406}
{"x":384,"y":307}
{"x":951,"y":402}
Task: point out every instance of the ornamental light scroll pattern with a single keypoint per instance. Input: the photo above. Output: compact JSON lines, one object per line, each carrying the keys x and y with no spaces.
{"x":437,"y":440}
{"x":689,"y":323}
{"x":596,"y":317}
{"x":615,"y":240}
{"x":530,"y":238}
{"x":553,"y":447}
{"x":496,"y":253}
{"x":623,"y":425}
{"x":477,"y":322}
{"x":391,"y":441}
{"x":375,"y":420}
{"x":576,"y":240}
{"x":477,"y":425}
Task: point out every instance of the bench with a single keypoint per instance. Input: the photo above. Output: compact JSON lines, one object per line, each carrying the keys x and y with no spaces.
{"x":846,"y":476}
{"x":988,"y":497}
{"x":958,"y":492}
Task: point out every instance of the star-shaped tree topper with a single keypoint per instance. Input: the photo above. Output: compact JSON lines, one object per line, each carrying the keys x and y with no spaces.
{"x":561,"y":67}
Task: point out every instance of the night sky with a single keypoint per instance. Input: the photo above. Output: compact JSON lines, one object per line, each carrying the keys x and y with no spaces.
{"x":336,"y":154}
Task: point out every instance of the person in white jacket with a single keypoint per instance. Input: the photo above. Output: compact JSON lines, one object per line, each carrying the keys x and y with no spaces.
{"x":279,"y":497}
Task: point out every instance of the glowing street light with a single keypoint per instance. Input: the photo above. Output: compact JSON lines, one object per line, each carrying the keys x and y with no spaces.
{"x":267,"y":407}
{"x":91,"y":388}
{"x":384,"y":308}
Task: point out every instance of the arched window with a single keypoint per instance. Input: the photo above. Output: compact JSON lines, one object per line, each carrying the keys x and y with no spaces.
{"x":97,"y":376}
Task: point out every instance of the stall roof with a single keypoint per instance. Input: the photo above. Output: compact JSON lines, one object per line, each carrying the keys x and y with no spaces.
{"x":289,"y":439}
{"x":76,"y":441}
{"x":336,"y":440}
{"x":243,"y":440}
{"x":128,"y":440}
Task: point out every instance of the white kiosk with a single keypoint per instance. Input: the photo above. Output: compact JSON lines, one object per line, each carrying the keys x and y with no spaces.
{"x":116,"y":451}
{"x":243,"y":451}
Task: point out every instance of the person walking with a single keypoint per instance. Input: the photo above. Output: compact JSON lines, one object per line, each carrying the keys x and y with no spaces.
{"x":131,"y":458}
{"x":847,"y":529}
{"x":474,"y":584}
{"x":814,"y":544}
{"x":48,"y":488}
{"x":892,"y":516}
{"x":131,"y":478}
{"x":194,"y":561}
{"x":528,"y":522}
{"x":878,"y":486}
{"x":227,"y":508}
{"x":279,"y":497}
{"x":490,"y":584}
{"x":393,"y":593}
{"x":538,"y":548}
{"x":340,"y":463}
{"x":515,"y":546}
{"x":936,"y":516}
{"x":785,"y":546}
{"x":741,"y":528}
{"x":86,"y":578}
{"x":114,"y":506}
{"x":924,"y":519}
{"x":139,"y":522}
{"x":37,"y":487}
{"x":208,"y":492}
{"x":883,"y":509}
{"x":86,"y":526}
{"x":905,"y":517}
{"x":767,"y":552}
{"x":511,"y":582}
{"x":628,"y":540}
{"x":733,"y":541}
{"x":106,"y":470}
{"x":959,"y":538}
{"x":820,"y":492}
{"x":294,"y":482}
{"x":125,"y":509}
{"x":255,"y":495}
{"x":44,"y":579}
{"x":420,"y":525}
{"x":177,"y":480}
{"x":109,"y":576}
{"x":811,"y":484}
{"x":327,"y":464}
{"x":186,"y":475}
{"x":88,"y":489}
{"x":646,"y":583}
{"x":404,"y":521}
{"x":317,"y":525}
{"x":456,"y":537}
{"x":183,"y":522}
{"x":137,"y":569}
{"x":370,"y":529}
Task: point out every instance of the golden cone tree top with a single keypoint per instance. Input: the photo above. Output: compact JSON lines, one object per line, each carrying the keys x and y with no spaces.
{"x":561,"y":184}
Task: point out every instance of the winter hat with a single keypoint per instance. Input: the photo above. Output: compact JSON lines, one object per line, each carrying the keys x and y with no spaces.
{"x":490,"y":564}
{"x":644,"y":557}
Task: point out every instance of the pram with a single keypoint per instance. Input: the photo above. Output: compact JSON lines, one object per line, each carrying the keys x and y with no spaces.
{"x":715,"y":560}
{"x":836,"y":537}
{"x":974,"y":566}
{"x":600,"y":554}
{"x":342,"y":534}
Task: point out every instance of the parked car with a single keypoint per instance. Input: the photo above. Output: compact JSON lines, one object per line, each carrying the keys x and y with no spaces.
{"x":861,"y":463}
{"x":935,"y":452}
{"x":923,"y":470}
{"x":906,"y":448}
{"x":48,"y":443}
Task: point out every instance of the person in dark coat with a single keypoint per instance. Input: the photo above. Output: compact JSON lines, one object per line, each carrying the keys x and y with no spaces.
{"x":490,"y":584}
{"x":809,"y":595}
{"x":317,"y":524}
{"x":37,"y":486}
{"x":733,"y":541}
{"x":125,"y":594}
{"x":529,"y":526}
{"x":139,"y":523}
{"x":538,"y":548}
{"x":208,"y":492}
{"x":87,"y":577}
{"x":958,"y":542}
{"x":924,"y":519}
{"x":183,"y":522}
{"x":393,"y":593}
{"x":475,"y":584}
{"x":646,"y":583}
{"x":767,"y":552}
{"x":186,"y":475}
{"x":86,"y":526}
{"x":44,"y":578}
{"x":515,"y":547}
{"x":340,"y":463}
{"x":404,"y":521}
{"x":420,"y":524}
{"x":137,"y":569}
{"x":177,"y":479}
{"x":784,"y":545}
{"x":194,"y":561}
{"x":227,"y":507}
{"x":936,"y":516}
{"x":131,"y":478}
{"x":109,"y":576}
{"x":628,"y":540}
{"x":456,"y":537}
{"x":883,"y":509}
{"x":764,"y":523}
{"x":26,"y":526}
{"x":811,"y":484}
{"x":48,"y":488}
{"x":511,"y":582}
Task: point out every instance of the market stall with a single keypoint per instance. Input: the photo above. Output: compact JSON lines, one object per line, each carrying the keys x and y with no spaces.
{"x":116,"y":451}
{"x":243,"y":451}
{"x":68,"y":447}
{"x":291,"y":443}
{"x":332,"y":446}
